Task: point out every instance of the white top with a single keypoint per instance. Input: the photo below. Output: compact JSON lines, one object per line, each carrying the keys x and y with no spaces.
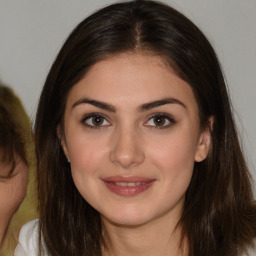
{"x":28,"y":241}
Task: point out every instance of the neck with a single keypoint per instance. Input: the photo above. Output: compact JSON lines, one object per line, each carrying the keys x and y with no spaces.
{"x":154,"y":238}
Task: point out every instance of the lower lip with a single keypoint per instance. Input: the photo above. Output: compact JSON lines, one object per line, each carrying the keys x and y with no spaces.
{"x":127,"y":190}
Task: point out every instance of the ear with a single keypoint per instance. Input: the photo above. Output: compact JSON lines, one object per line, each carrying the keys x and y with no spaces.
{"x":204,"y":142}
{"x":63,"y":142}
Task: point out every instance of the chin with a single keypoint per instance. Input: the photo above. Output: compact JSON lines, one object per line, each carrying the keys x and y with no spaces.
{"x":128,"y":218}
{"x":128,"y":222}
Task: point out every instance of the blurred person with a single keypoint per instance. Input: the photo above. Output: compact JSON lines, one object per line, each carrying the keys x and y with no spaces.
{"x":17,"y":161}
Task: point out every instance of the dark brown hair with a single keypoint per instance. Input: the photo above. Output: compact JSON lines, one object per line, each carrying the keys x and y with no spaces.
{"x":14,"y":129}
{"x":219,"y":211}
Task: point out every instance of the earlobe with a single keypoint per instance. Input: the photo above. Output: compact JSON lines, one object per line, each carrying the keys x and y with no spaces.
{"x":204,"y":142}
{"x":63,"y":142}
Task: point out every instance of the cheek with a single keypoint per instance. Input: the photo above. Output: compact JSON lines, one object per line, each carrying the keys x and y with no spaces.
{"x":13,"y":191}
{"x":87,"y":157}
{"x":174,"y":156}
{"x":176,"y":151}
{"x":86,"y":163}
{"x":86,"y":153}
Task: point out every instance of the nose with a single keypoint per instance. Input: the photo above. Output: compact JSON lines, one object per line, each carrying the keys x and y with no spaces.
{"x":127,"y":148}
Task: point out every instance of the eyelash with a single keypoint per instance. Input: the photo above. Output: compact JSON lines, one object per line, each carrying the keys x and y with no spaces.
{"x":157,"y":115}
{"x":162,"y":115}
{"x":87,"y":117}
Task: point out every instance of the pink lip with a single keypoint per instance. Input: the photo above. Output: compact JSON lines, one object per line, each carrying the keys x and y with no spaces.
{"x":141,"y":184}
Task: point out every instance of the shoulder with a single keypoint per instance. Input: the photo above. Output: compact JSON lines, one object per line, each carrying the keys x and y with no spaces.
{"x":28,"y":239}
{"x":252,"y":250}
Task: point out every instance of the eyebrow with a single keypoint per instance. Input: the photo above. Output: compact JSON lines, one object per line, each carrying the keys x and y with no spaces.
{"x":96,"y":103}
{"x":158,"y":103}
{"x":144,"y":107}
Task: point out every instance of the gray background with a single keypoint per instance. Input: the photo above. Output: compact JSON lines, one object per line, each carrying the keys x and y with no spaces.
{"x":32,"y":32}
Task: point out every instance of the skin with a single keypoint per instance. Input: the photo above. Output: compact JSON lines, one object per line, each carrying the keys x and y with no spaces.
{"x":128,"y":142}
{"x":12,"y":192}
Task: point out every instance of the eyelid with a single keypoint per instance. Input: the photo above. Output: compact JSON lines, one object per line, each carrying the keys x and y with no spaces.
{"x":164,"y":115}
{"x":90,"y":115}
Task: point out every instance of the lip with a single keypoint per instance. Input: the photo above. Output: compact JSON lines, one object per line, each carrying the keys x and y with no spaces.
{"x":128,"y":186}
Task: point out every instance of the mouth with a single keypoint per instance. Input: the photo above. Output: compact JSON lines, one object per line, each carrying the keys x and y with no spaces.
{"x":127,"y":186}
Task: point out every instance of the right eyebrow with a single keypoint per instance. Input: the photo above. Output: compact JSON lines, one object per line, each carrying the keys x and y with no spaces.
{"x":96,"y":103}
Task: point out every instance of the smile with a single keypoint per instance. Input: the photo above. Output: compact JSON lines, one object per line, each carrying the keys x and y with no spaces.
{"x":127,"y":186}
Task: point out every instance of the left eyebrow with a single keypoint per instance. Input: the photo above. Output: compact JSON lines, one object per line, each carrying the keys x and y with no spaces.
{"x":158,"y":103}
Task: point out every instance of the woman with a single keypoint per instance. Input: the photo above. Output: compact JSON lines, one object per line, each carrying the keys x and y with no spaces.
{"x":16,"y":156}
{"x":137,"y":149}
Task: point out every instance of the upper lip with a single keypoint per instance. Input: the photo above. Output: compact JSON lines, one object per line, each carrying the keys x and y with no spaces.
{"x":127,"y":179}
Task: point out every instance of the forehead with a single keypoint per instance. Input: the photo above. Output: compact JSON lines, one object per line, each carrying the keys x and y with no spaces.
{"x":126,"y":78}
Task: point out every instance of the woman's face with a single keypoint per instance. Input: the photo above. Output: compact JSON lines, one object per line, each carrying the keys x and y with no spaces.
{"x":12,"y":191}
{"x":132,"y":135}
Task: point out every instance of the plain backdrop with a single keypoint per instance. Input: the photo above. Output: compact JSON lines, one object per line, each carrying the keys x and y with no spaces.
{"x":32,"y":32}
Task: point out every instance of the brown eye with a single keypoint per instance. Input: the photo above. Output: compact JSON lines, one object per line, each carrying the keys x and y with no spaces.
{"x":95,"y":121}
{"x":159,"y":120}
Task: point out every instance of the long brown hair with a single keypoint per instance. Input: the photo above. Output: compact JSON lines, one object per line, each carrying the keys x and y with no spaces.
{"x":219,"y":211}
